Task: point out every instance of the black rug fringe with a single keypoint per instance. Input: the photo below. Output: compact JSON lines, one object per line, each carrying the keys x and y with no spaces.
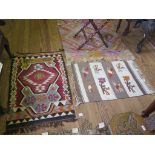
{"x":30,"y":128}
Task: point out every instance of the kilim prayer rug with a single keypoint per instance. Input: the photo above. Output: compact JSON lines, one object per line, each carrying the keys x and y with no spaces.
{"x":99,"y":80}
{"x":94,"y":49}
{"x":39,"y":91}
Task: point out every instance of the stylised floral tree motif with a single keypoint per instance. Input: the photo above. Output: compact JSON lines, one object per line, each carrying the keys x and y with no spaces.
{"x":97,"y":68}
{"x":128,"y":84}
{"x":119,"y":67}
{"x":103,"y":86}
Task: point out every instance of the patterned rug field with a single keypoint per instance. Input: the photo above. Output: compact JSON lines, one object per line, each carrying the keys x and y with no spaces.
{"x":94,"y":49}
{"x":99,"y":80}
{"x":39,"y":91}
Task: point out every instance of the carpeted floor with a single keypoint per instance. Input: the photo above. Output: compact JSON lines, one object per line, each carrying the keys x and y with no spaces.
{"x":99,"y":80}
{"x":39,"y":91}
{"x":94,"y":49}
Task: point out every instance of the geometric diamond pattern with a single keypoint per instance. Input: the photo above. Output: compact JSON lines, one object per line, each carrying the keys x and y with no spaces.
{"x":39,"y":91}
{"x":38,"y":77}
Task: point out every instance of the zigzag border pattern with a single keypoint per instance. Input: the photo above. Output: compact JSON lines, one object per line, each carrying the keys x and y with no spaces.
{"x":29,"y":121}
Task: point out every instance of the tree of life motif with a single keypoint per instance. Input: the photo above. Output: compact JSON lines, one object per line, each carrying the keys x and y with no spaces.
{"x":119,"y":67}
{"x":97,"y":68}
{"x":128,"y":84}
{"x":103,"y":86}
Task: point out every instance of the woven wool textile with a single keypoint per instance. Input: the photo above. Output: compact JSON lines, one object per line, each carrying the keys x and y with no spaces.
{"x":94,"y":49}
{"x":39,"y":91}
{"x":97,"y":81}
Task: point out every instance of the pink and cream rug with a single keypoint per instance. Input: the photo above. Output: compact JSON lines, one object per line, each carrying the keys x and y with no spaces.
{"x":94,"y":49}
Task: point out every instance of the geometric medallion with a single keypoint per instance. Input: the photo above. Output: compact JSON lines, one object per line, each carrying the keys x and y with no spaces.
{"x":39,"y":77}
{"x":39,"y":91}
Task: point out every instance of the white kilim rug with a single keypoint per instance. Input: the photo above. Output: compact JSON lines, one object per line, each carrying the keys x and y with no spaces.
{"x":99,"y":80}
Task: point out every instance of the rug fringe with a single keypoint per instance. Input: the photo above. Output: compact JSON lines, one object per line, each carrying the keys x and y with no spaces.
{"x":18,"y":54}
{"x":30,"y":128}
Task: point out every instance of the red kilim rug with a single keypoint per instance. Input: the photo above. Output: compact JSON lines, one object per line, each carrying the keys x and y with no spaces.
{"x":39,"y":91}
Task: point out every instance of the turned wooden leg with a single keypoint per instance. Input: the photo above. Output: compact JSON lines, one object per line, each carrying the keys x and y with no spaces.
{"x":118,"y":25}
{"x":149,"y":109}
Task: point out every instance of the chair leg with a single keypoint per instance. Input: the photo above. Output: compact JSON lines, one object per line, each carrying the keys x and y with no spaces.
{"x":126,"y":31}
{"x":81,"y":30}
{"x":98,"y":32}
{"x":140,"y":45}
{"x":88,"y":38}
{"x":7,"y":47}
{"x":118,"y":25}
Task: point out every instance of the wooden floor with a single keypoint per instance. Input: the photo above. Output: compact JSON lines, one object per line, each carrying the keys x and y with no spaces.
{"x":29,"y":36}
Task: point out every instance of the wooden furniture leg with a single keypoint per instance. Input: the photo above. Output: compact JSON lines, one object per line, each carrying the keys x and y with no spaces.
{"x":98,"y":32}
{"x":7,"y":47}
{"x":88,"y":38}
{"x":149,"y":109}
{"x":148,"y":27}
{"x":4,"y":44}
{"x":118,"y":25}
{"x":140,"y":45}
{"x":82,"y":30}
{"x":126,"y":31}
